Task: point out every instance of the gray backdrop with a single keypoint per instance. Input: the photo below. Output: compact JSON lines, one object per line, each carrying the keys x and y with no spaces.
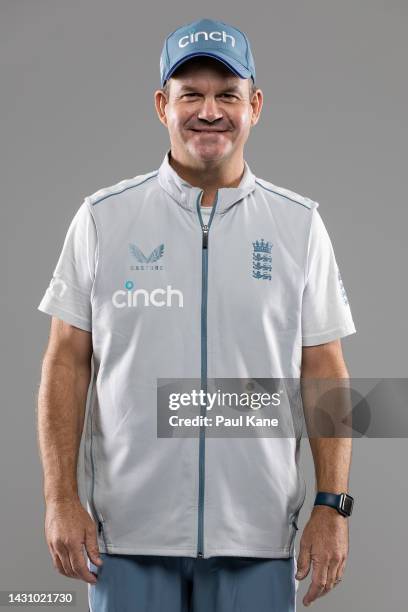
{"x":77,"y":114}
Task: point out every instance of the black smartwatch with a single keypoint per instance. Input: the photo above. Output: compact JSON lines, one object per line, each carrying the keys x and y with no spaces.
{"x":343,"y":502}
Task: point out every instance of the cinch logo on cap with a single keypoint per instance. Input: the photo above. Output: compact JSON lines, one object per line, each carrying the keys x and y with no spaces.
{"x":207,"y":37}
{"x":217,"y":36}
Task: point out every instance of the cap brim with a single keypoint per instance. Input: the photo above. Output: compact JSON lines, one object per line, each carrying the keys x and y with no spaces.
{"x":232,"y":64}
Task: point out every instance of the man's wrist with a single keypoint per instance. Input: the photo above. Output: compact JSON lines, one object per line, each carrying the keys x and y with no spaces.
{"x":342,"y":503}
{"x":326,"y":511}
{"x":62,"y":498}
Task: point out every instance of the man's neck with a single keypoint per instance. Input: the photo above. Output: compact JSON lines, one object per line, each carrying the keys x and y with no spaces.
{"x":209,"y":177}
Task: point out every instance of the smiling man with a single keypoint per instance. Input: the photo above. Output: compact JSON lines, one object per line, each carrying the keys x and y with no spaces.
{"x":209,"y":112}
{"x":192,"y":523}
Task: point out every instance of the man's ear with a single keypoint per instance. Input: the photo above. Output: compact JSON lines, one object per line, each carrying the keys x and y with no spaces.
{"x":160,"y":101}
{"x":256,"y":103}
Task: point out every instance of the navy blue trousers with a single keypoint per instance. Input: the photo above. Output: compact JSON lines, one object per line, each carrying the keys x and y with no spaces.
{"x":150,"y":583}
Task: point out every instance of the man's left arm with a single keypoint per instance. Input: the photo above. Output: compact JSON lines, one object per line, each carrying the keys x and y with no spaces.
{"x":325,"y":539}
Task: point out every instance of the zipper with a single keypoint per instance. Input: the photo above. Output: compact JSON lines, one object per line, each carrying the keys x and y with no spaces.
{"x":204,"y":291}
{"x":292,"y":521}
{"x":101,"y":530}
{"x":98,"y":516}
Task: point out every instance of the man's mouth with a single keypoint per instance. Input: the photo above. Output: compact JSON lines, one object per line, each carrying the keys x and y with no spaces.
{"x":206,"y":131}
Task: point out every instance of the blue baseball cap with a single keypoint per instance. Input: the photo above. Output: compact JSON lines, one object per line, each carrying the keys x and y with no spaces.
{"x":209,"y":38}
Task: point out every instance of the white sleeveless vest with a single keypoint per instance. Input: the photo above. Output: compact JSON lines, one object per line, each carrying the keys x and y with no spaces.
{"x":169,"y":295}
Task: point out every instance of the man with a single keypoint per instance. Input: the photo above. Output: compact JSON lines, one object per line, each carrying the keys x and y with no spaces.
{"x":197,"y":270}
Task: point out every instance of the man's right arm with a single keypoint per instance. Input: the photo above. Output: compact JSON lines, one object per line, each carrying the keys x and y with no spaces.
{"x":65,"y":379}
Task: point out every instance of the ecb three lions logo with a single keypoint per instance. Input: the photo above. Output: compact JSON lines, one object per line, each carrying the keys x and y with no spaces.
{"x":262,"y":260}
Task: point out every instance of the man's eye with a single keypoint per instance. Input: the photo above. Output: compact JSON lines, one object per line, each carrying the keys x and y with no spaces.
{"x":223,"y":95}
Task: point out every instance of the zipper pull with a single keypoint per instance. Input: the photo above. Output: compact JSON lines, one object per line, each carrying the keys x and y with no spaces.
{"x":205,"y":236}
{"x":99,"y":527}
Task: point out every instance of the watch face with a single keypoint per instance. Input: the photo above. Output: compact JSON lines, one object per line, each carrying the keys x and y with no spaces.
{"x":347,"y":504}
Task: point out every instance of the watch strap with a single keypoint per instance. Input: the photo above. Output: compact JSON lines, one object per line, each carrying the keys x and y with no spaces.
{"x":327,"y":499}
{"x":336,"y":501}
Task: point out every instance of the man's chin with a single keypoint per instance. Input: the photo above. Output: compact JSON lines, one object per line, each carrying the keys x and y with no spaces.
{"x":209,"y":152}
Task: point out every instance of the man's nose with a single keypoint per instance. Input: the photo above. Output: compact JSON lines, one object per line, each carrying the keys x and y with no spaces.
{"x":209,"y":109}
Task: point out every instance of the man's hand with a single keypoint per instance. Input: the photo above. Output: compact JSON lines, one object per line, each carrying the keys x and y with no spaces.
{"x":69,"y":528}
{"x":324,"y":544}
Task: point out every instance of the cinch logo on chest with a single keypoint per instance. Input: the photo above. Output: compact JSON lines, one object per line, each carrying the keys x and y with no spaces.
{"x":262,"y":259}
{"x":158,"y":297}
